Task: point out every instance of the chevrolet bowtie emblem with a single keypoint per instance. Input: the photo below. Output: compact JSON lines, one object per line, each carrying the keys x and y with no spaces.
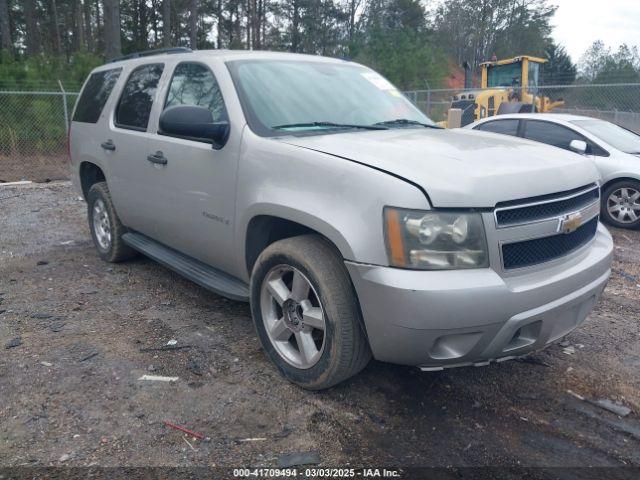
{"x":570,"y":223}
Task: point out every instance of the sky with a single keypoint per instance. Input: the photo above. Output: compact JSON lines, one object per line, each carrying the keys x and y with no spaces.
{"x":578,"y":23}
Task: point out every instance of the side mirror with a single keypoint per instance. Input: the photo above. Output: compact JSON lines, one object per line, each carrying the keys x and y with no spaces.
{"x":193,"y":122}
{"x":578,"y":146}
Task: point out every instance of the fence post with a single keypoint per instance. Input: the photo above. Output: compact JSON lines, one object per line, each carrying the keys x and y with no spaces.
{"x":65,"y":108}
{"x":429,"y":103}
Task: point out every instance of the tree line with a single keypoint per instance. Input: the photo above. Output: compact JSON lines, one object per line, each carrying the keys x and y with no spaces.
{"x":415,"y":45}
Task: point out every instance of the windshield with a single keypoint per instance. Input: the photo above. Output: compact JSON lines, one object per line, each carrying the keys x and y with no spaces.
{"x":504,"y":75}
{"x":281,"y":96}
{"x":618,"y":137}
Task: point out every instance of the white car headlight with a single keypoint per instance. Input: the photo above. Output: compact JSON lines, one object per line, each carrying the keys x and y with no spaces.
{"x":433,"y":240}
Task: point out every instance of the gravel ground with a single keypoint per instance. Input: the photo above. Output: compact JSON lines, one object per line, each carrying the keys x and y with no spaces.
{"x":70,"y":393}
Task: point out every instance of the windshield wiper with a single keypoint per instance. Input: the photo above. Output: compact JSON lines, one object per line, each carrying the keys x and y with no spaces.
{"x":329,"y":125}
{"x":406,"y":121}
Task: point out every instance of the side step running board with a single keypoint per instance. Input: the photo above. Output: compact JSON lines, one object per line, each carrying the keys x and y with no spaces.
{"x":196,"y":271}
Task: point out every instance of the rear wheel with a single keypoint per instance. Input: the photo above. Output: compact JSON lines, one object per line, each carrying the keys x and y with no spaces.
{"x":621,"y":204}
{"x":106,"y":228}
{"x":306,"y":313}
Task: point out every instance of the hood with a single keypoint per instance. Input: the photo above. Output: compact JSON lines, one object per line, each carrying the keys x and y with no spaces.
{"x":460,"y":168}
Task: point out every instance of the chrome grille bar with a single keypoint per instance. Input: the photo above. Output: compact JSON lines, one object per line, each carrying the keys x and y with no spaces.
{"x":547,"y":208}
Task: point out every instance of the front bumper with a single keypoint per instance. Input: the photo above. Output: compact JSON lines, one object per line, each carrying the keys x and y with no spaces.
{"x":439,"y":319}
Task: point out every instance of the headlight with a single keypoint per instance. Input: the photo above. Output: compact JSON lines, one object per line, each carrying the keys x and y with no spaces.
{"x":435,"y":240}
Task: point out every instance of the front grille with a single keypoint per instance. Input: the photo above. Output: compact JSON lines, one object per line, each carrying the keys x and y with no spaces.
{"x":540,"y":250}
{"x":548,"y":209}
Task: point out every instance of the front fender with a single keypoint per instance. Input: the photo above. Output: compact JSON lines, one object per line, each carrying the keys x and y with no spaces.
{"x":340,"y":199}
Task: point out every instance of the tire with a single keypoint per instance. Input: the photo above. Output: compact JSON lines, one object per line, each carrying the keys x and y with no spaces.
{"x":620,"y":203}
{"x":103,"y":223}
{"x":343,"y":349}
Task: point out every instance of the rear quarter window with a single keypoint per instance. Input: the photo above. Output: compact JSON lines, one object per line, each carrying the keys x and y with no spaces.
{"x":95,"y":95}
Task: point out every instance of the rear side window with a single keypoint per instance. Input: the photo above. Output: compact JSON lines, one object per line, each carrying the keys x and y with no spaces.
{"x":137,"y":97}
{"x":195,"y":84}
{"x":95,"y":95}
{"x":506,"y":127}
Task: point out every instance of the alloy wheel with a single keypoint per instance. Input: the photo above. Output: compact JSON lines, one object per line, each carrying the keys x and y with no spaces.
{"x":623,"y":205}
{"x":101,"y":224}
{"x":293,"y":316}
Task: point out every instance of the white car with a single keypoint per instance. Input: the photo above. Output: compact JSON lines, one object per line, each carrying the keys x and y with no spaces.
{"x":615,"y":151}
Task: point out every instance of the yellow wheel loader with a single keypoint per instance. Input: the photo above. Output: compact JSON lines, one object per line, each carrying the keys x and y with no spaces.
{"x":507,"y":86}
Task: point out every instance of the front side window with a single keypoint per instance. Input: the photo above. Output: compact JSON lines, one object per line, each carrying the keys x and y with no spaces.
{"x":505,"y":127}
{"x":195,"y":84}
{"x":95,"y":95}
{"x":137,"y":97}
{"x":305,"y":97}
{"x":558,"y":136}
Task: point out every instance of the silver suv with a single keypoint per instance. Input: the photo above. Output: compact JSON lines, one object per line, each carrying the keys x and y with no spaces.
{"x":313,"y":189}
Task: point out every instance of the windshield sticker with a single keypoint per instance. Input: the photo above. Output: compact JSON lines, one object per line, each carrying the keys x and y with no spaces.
{"x":378,"y":81}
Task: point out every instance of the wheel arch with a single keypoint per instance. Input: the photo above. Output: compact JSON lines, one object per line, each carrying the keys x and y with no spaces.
{"x":263,"y":229}
{"x":90,"y":174}
{"x":619,"y":178}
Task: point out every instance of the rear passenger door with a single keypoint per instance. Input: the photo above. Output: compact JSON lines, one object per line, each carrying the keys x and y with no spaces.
{"x":197,"y":185}
{"x":126,"y":145}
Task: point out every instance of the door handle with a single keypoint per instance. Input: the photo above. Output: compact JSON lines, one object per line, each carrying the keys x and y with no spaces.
{"x":158,"y":158}
{"x":108,"y":145}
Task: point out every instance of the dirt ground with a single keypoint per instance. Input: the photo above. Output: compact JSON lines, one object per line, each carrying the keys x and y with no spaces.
{"x":37,"y":168}
{"x":70,"y":394}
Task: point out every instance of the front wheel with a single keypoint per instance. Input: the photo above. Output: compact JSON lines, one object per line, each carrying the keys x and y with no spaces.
{"x":306,"y":313}
{"x":621,"y":204}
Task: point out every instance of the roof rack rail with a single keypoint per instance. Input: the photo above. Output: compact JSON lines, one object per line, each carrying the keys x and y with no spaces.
{"x":148,"y":53}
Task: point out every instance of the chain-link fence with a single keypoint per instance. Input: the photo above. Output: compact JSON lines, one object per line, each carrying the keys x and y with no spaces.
{"x":34,"y":120}
{"x":33,"y":133}
{"x":617,"y":103}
